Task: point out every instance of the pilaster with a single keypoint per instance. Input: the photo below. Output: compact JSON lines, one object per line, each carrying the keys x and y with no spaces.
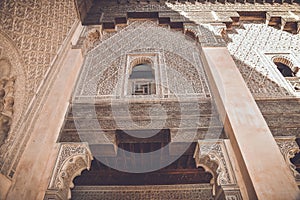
{"x":250,"y":136}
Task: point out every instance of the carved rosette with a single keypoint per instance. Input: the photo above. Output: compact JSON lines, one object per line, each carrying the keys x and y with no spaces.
{"x":72,"y":160}
{"x":213,"y":157}
{"x":288,"y":148}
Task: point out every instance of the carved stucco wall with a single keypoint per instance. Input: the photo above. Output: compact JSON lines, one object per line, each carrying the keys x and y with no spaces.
{"x":177,"y":59}
{"x":175,"y":192}
{"x":213,"y":156}
{"x":38,"y":28}
{"x":35,"y":32}
{"x":252,"y":46}
{"x":9,"y":54}
{"x":72,"y":160}
{"x":247,"y":40}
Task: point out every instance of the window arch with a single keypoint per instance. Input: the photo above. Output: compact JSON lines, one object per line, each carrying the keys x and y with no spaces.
{"x":142,"y":77}
{"x":142,"y":71}
{"x":285,"y":66}
{"x":287,"y":69}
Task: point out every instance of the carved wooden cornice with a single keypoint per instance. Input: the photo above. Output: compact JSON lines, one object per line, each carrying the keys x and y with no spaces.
{"x":280,"y":13}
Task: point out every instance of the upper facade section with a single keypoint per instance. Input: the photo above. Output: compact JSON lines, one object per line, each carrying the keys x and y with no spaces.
{"x":143,"y":60}
{"x":284,"y":14}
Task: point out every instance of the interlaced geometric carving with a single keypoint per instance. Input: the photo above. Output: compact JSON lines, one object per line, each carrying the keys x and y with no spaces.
{"x":38,"y":29}
{"x":105,"y":66}
{"x":248,"y":47}
{"x":186,"y":192}
{"x":92,"y":36}
{"x":12,"y":89}
{"x":31,"y":35}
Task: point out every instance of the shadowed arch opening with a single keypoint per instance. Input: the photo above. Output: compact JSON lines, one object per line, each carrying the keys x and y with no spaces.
{"x":285,"y":66}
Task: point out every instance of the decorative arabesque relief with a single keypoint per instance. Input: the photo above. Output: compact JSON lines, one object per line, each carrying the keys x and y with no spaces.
{"x":181,"y":67}
{"x":6,"y":99}
{"x":13,"y":95}
{"x":260,"y":85}
{"x":212,"y":34}
{"x":288,"y":148}
{"x":38,"y":29}
{"x":213,"y":157}
{"x":184,"y":192}
{"x":92,"y":36}
{"x":108,"y":80}
{"x":73,"y":158}
{"x":32,"y":33}
{"x":248,"y":46}
{"x":105,"y":63}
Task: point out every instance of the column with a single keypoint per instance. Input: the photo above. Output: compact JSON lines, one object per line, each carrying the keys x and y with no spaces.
{"x":264,"y":171}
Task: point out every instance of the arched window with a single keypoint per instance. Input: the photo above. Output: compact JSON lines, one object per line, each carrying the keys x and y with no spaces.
{"x":142,"y":79}
{"x":289,"y":71}
{"x":285,"y":66}
{"x":285,"y":70}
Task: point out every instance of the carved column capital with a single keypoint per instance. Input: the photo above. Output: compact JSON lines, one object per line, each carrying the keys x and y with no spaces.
{"x":73,"y":158}
{"x":211,"y":35}
{"x":288,"y":148}
{"x":92,"y":36}
{"x":212,"y":155}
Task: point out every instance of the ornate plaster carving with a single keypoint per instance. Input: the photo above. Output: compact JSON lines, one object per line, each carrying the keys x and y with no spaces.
{"x":212,"y":35}
{"x":250,"y":44}
{"x":105,"y":66}
{"x":92,"y":37}
{"x":213,"y":157}
{"x":38,"y":29}
{"x":32,"y":37}
{"x":6,"y":104}
{"x":73,"y":158}
{"x":186,"y":192}
{"x":288,"y":148}
{"x":12,"y":92}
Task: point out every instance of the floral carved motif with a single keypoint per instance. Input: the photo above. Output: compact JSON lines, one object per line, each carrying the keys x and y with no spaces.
{"x":72,"y":160}
{"x":105,"y":65}
{"x":288,"y":148}
{"x":213,"y":157}
{"x":249,"y":44}
{"x":38,"y":29}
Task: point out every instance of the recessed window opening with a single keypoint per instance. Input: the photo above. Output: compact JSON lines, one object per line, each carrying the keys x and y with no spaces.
{"x":142,"y":79}
{"x":285,"y":70}
{"x":289,"y":71}
{"x":286,"y":67}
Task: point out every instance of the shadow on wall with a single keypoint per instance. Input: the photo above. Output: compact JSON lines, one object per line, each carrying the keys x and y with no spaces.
{"x":259,"y":85}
